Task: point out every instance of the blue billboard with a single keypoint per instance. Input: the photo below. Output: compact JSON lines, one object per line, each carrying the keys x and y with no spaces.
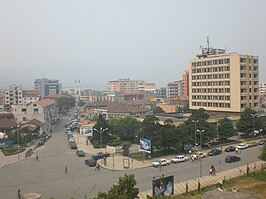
{"x":145,"y":145}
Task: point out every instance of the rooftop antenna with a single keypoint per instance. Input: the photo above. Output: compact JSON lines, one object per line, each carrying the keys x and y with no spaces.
{"x":208,"y":45}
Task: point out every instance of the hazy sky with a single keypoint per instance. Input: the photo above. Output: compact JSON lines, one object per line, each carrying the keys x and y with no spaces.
{"x":100,"y":40}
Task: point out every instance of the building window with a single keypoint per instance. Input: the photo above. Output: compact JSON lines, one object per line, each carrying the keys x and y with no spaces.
{"x":227,"y":61}
{"x":227,"y":105}
{"x":215,"y":69}
{"x":227,"y":68}
{"x":209,"y":70}
{"x":215,"y":62}
{"x":209,"y":63}
{"x":209,"y":83}
{"x":209,"y":97}
{"x":24,"y":118}
{"x":209,"y":104}
{"x":221,"y":104}
{"x":23,"y":110}
{"x":193,"y":103}
{"x":227,"y":98}
{"x":242,"y":60}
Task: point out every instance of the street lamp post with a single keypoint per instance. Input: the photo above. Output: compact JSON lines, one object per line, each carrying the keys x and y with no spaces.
{"x":253,"y":116}
{"x":101,"y":131}
{"x":18,"y":141}
{"x":195,"y":121}
{"x":200,"y":131}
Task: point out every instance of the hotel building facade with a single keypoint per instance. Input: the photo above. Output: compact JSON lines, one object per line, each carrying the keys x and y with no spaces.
{"x":224,"y":82}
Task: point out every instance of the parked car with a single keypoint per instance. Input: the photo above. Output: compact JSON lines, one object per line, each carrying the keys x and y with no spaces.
{"x":100,"y":155}
{"x":161,"y":162}
{"x":252,"y":143}
{"x":261,"y":142}
{"x":40,"y":143}
{"x":214,"y":152}
{"x":232,"y":158}
{"x":230,"y":149}
{"x":90,"y":162}
{"x":80,"y":153}
{"x":73,"y":145}
{"x":198,"y":155}
{"x":242,"y":146}
{"x":71,"y":139}
{"x":178,"y":159}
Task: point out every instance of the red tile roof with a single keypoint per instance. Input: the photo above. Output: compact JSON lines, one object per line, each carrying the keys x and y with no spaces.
{"x":31,"y":93}
{"x":45,"y":102}
{"x":124,"y":108}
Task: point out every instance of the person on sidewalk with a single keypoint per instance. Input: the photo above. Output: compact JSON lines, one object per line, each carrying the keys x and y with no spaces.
{"x":19,"y":196}
{"x":237,"y":150}
{"x":213,"y":170}
{"x":37,"y":157}
{"x":210,"y":171}
{"x":97,"y":167}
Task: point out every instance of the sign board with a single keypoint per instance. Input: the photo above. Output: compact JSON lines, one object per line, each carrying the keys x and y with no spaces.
{"x":145,"y":145}
{"x":163,"y":186}
{"x":5,"y":144}
{"x":110,"y":149}
{"x":126,"y":163}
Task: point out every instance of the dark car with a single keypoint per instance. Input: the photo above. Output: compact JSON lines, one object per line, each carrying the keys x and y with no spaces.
{"x":230,"y":149}
{"x":232,"y":158}
{"x":73,"y":145}
{"x":80,"y":153}
{"x":214,"y":152}
{"x":90,"y":162}
{"x":40,"y":143}
{"x":100,"y":156}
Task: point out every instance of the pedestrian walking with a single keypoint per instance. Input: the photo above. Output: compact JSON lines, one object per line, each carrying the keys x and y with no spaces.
{"x":65,"y":170}
{"x":37,"y":157}
{"x":213,"y":170}
{"x":210,"y":171}
{"x":97,"y":167}
{"x":19,"y":194}
{"x":236,"y":150}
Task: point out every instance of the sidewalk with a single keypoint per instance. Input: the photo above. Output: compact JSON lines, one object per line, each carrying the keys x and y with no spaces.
{"x":115,"y":162}
{"x":180,"y":188}
{"x":4,"y":160}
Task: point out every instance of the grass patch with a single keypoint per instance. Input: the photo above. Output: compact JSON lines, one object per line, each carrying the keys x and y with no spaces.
{"x":254,"y":185}
{"x":12,"y":151}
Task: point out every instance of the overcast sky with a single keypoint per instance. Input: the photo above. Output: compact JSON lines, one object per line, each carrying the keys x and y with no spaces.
{"x":99,"y":40}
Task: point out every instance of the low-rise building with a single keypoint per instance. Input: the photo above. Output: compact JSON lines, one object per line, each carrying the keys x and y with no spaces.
{"x":44,"y":111}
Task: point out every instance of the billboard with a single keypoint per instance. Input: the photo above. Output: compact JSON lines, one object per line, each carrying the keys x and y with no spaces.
{"x":164,"y":186}
{"x":145,"y":145}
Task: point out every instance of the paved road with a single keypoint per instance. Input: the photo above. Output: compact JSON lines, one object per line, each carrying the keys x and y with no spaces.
{"x":47,"y":176}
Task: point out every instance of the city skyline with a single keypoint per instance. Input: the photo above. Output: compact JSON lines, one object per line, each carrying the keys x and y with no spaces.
{"x":97,"y":41}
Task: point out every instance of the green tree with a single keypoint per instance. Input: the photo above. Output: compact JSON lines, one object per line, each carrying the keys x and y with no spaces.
{"x":126,"y":128}
{"x":158,"y":109}
{"x":245,"y":124}
{"x":124,"y":189}
{"x":100,"y":126}
{"x":149,"y":126}
{"x":81,"y":103}
{"x":125,"y":146}
{"x":198,"y":120}
{"x":225,"y":129}
{"x":65,"y":103}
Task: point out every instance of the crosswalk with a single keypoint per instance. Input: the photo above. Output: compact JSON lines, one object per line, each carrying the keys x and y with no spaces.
{"x":56,"y":153}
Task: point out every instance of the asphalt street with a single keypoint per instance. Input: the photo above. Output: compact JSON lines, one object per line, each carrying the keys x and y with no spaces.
{"x":47,"y":175}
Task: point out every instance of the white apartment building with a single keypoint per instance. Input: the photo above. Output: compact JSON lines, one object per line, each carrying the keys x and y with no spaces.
{"x":44,"y":111}
{"x":174,"y":89}
{"x":13,"y":95}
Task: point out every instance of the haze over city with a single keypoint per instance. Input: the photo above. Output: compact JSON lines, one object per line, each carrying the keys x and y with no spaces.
{"x":97,"y":41}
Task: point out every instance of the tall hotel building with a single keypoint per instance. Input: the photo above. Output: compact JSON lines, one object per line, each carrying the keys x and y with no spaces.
{"x":226,"y":82}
